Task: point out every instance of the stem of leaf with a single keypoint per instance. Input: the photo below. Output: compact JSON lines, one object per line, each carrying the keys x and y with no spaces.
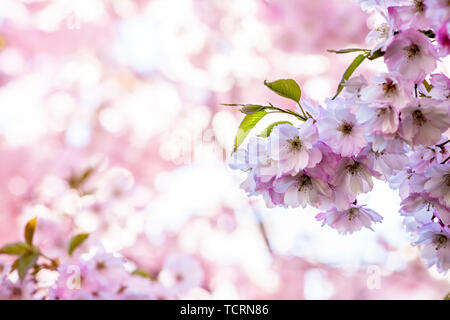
{"x":293,"y":113}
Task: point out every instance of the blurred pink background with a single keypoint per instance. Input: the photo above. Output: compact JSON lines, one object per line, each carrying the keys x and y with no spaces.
{"x":138,"y":84}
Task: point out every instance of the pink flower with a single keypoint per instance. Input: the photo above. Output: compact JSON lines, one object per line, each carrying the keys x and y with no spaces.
{"x":339,"y":129}
{"x":387,"y":161}
{"x":443,"y":39}
{"x":388,"y":87}
{"x":353,"y":86}
{"x":259,"y":159}
{"x":411,"y":16}
{"x":424,"y":120}
{"x":115,"y":184}
{"x":382,"y":34}
{"x":294,"y":148}
{"x":17,"y":290}
{"x":254,"y":186}
{"x":436,"y":245}
{"x":302,"y":190}
{"x":411,"y":54}
{"x":353,"y":177}
{"x":350,"y":220}
{"x":368,"y":5}
{"x":181,"y":273}
{"x":441,"y":86}
{"x":378,"y":117}
{"x":437,"y":11}
{"x":438,"y":183}
{"x":424,"y":156}
{"x":99,"y":277}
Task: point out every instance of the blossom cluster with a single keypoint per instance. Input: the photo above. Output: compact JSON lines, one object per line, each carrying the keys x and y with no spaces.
{"x":392,"y":128}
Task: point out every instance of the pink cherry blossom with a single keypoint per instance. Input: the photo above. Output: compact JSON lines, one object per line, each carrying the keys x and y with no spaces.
{"x":350,"y":220}
{"x":303,"y":189}
{"x":388,"y":87}
{"x":387,"y":161}
{"x":410,"y":16}
{"x":353,"y":177}
{"x":294,"y":148}
{"x":435,"y":240}
{"x":339,"y":129}
{"x":438,"y":183}
{"x":411,"y":54}
{"x":443,"y":39}
{"x":424,"y":120}
{"x":441,"y":86}
{"x":379,"y":117}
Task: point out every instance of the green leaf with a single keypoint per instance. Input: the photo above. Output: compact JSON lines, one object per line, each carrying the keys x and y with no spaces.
{"x":76,"y":241}
{"x":347,"y":74}
{"x":29,"y":230}
{"x":287,"y":88}
{"x":251,"y":108}
{"x":348,"y":50}
{"x":246,"y":125}
{"x":266,"y":132}
{"x":447,"y":297}
{"x":17,"y":248}
{"x":427,"y":85}
{"x":26,"y":262}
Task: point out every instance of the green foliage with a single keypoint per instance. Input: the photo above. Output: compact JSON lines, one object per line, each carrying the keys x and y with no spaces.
{"x":246,"y":125}
{"x":287,"y":88}
{"x":76,"y":241}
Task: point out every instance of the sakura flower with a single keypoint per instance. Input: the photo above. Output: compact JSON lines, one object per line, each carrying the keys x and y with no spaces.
{"x":410,"y":16}
{"x":441,"y":86}
{"x":294,"y":148}
{"x":302,"y":190}
{"x":340,"y":130}
{"x":378,"y":117}
{"x":435,"y":240}
{"x":424,"y":120}
{"x":437,"y":11}
{"x":415,"y":202}
{"x":254,"y":186}
{"x":442,"y":213}
{"x":443,"y":39}
{"x":388,"y":161}
{"x":411,"y":54}
{"x":181,"y":273}
{"x":388,"y":87}
{"x":438,"y":183}
{"x":353,"y":86}
{"x":259,"y":159}
{"x":382,"y":33}
{"x":350,"y":220}
{"x":353,"y":177}
{"x":116,"y":183}
{"x":17,"y":290}
{"x":424,"y":156}
{"x":99,"y":277}
{"x":367,"y":5}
